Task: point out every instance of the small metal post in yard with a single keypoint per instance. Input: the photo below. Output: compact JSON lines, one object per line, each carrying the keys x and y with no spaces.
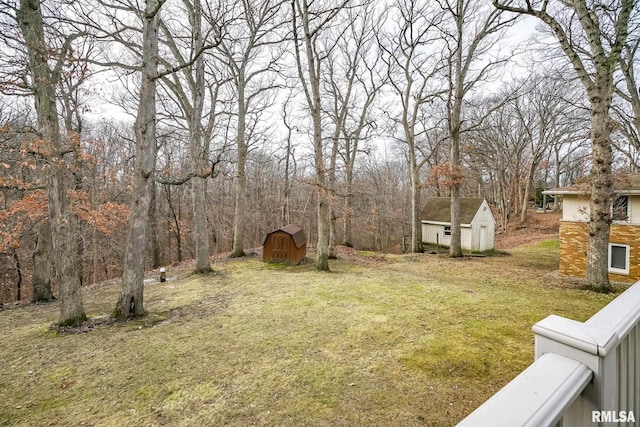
{"x":438,"y":242}
{"x":163,"y":274}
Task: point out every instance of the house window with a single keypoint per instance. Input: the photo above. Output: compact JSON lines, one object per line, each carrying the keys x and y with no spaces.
{"x":620,"y":208}
{"x":447,"y":230}
{"x":618,"y":258}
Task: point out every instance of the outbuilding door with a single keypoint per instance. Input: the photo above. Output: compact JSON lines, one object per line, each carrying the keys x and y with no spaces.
{"x":280,"y":248}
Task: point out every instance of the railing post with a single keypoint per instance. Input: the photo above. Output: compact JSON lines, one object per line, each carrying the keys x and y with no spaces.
{"x":595,"y":348}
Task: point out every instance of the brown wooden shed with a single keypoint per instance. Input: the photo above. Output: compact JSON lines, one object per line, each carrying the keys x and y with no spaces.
{"x":287,"y":245}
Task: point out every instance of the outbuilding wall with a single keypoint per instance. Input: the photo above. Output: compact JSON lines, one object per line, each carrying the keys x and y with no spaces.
{"x":469,"y":236}
{"x":483,"y":224}
{"x":434,"y":234}
{"x":280,"y":247}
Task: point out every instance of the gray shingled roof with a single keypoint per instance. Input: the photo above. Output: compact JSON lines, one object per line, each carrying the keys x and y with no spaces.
{"x":438,"y":209}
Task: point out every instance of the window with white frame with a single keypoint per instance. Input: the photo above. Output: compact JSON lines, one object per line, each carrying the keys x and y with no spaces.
{"x":620,"y":208}
{"x":447,"y":230}
{"x":618,"y":258}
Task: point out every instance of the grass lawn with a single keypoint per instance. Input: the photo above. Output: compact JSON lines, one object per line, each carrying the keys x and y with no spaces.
{"x":408,"y":340}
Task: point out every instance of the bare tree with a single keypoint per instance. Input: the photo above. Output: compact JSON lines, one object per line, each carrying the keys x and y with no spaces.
{"x":499,"y":149}
{"x":64,"y":224}
{"x":568,"y":152}
{"x":382,"y":203}
{"x":130,"y":302}
{"x":198,"y":148}
{"x":627,"y":109}
{"x":21,"y":177}
{"x":547,"y":117}
{"x":289,"y":164}
{"x":137,"y":51}
{"x":351,"y":88}
{"x":410,"y":50}
{"x":251,"y":52}
{"x":592,"y":36}
{"x":471,"y":30}
{"x":188,"y":87}
{"x":309,"y":23}
{"x":354,"y":133}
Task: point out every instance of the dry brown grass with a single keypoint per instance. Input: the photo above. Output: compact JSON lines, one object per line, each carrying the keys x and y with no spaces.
{"x":407,"y":340}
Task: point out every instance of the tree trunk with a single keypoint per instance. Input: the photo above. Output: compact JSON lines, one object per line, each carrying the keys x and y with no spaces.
{"x":240,"y":201}
{"x":408,"y":124}
{"x":322,"y":258}
{"x":416,"y":224}
{"x":286,"y":216}
{"x":154,"y":244}
{"x":333,"y":253}
{"x":201,"y":229}
{"x":311,"y":88}
{"x":41,"y":278}
{"x":238,"y":221}
{"x":131,"y":301}
{"x":527,"y":191}
{"x":176,"y":217}
{"x":66,"y":246}
{"x":455,"y":250}
{"x":597,"y":272}
{"x":332,"y":189}
{"x":198,"y":151}
{"x":348,"y":224}
{"x":63,"y":222}
{"x":241,"y":177}
{"x":454,"y":116}
{"x":557,"y":177}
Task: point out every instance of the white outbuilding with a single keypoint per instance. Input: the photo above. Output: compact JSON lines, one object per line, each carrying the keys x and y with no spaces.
{"x":478,"y":225}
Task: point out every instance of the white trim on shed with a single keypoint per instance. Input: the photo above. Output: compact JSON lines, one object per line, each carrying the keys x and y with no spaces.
{"x":478,"y":235}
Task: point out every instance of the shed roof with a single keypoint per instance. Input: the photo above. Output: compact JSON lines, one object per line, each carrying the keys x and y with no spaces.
{"x":296,"y":232}
{"x":438,"y":209}
{"x":622,"y":184}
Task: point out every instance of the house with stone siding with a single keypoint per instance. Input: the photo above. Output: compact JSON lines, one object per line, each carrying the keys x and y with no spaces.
{"x":624,"y":236}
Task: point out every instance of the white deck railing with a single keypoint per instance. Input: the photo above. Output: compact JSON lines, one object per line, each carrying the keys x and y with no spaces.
{"x":585,"y":374}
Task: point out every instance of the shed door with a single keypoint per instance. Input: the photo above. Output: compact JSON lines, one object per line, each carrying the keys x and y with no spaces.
{"x":483,"y":238}
{"x":280,"y":250}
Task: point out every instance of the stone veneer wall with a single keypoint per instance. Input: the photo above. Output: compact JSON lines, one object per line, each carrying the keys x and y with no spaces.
{"x":573,"y":249}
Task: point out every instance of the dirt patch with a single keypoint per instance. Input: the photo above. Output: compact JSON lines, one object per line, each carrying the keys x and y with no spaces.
{"x":360,"y":257}
{"x":538,"y":227}
{"x":87,"y":326}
